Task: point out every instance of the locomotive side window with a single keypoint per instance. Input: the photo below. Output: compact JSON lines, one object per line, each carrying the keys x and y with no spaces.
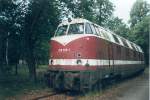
{"x":120,"y":41}
{"x":88,"y":29}
{"x":93,"y":29}
{"x":110,"y":36}
{"x":100,"y":32}
{"x":115,"y":38}
{"x":61,"y":30}
{"x":105,"y":34}
{"x":125,"y":43}
{"x":129,"y":44}
{"x":97,"y":31}
{"x":139,"y":49}
{"x":76,"y":28}
{"x":133,"y":47}
{"x":136,"y":47}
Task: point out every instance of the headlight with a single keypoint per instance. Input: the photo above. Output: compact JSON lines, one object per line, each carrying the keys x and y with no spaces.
{"x":79,"y":62}
{"x":52,"y":62}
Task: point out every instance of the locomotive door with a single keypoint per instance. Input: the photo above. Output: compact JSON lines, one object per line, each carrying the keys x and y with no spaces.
{"x":111,"y":58}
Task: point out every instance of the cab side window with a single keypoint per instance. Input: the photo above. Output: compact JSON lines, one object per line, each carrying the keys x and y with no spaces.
{"x":97,"y":30}
{"x":88,"y":29}
{"x":93,"y":29}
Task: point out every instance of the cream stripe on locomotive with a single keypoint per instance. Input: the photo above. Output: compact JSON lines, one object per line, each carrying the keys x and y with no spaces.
{"x":91,"y":62}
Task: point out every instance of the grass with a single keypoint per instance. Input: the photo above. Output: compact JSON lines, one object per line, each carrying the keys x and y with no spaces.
{"x":12,"y":85}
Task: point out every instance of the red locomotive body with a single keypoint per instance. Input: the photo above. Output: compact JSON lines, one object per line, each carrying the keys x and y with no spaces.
{"x":82,"y":54}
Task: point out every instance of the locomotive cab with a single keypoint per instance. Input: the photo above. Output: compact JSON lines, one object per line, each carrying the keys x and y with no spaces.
{"x":72,"y":45}
{"x":79,"y":26}
{"x":76,"y":28}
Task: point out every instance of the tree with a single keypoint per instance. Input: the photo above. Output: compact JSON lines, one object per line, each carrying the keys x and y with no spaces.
{"x":94,"y":10}
{"x":103,"y":9}
{"x":10,"y":26}
{"x":117,"y":26}
{"x":78,"y":8}
{"x":140,"y":16}
{"x":41,"y":20}
{"x":140,"y":35}
{"x":139,"y":10}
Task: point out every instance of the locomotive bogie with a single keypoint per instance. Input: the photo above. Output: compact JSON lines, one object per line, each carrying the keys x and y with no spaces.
{"x":77,"y":81}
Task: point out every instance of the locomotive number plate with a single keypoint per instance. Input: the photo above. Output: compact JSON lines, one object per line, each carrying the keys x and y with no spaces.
{"x":63,"y":49}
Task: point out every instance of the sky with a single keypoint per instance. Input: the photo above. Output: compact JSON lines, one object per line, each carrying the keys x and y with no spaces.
{"x":123,"y":7}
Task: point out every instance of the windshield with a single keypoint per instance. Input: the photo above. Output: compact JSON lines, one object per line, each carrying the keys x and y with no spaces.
{"x":61,"y":30}
{"x":76,"y":28}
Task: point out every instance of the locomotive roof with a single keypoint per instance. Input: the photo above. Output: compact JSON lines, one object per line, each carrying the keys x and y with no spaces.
{"x":129,"y":43}
{"x":73,"y":21}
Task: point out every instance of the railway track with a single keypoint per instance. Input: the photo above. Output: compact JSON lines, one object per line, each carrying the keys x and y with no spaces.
{"x":63,"y":95}
{"x":44,"y":96}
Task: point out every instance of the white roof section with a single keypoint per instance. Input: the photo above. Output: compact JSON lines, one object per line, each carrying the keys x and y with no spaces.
{"x":73,"y":21}
{"x":106,"y":32}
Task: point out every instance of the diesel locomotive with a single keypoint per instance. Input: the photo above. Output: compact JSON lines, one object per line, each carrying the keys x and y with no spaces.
{"x":82,"y":54}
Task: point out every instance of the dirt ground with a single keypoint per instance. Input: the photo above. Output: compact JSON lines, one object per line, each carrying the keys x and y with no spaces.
{"x":135,"y":88}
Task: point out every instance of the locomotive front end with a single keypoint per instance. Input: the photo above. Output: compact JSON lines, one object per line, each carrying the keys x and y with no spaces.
{"x":70,"y":51}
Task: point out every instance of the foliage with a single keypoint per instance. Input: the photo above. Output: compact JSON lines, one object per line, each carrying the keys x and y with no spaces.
{"x":140,"y":35}
{"x":41,"y":19}
{"x":25,"y":29}
{"x":94,"y":10}
{"x":140,"y":9}
{"x":117,"y":26}
{"x":140,"y":17}
{"x":11,"y":17}
{"x":78,"y":8}
{"x":103,"y":9}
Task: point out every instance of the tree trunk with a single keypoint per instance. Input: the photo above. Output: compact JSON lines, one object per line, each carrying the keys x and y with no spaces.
{"x":7,"y":45}
{"x":100,"y":12}
{"x":16,"y":69}
{"x":32,"y":69}
{"x":30,"y":58}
